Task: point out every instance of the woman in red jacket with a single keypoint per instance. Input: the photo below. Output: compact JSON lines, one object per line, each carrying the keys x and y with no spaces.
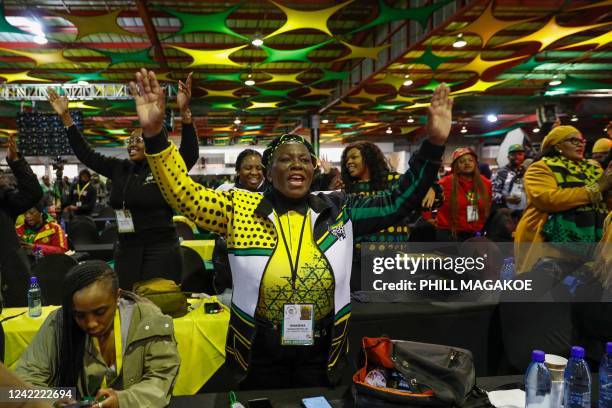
{"x":467,"y":199}
{"x":37,"y":234}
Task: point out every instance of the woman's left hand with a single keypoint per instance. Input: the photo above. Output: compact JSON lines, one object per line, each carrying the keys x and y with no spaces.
{"x":110,"y":398}
{"x":439,"y":114}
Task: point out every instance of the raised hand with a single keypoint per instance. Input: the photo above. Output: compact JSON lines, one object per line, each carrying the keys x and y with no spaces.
{"x":184,"y":93}
{"x":439,"y":115}
{"x":325,"y":164}
{"x":59,"y":105}
{"x":11,"y":152}
{"x":150,"y":102}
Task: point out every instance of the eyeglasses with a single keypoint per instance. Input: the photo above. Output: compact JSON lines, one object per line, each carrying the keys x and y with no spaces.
{"x":576,"y":141}
{"x":134,"y":140}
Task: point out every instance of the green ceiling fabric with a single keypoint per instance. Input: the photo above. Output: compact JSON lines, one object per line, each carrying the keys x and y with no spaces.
{"x":388,"y":14}
{"x":572,"y":84}
{"x":222,"y":105}
{"x":291,"y":55}
{"x":213,"y":23}
{"x":92,"y":76}
{"x":383,"y":106}
{"x":430,"y":59}
{"x":141,"y":56}
{"x":269,"y":92}
{"x":529,"y":65}
{"x":235,"y":77}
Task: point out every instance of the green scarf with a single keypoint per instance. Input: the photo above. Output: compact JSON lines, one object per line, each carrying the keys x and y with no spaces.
{"x":583,"y":223}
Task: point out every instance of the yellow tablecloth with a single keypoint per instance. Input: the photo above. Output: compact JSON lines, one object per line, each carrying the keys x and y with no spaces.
{"x":200,"y":338}
{"x":204,"y":247}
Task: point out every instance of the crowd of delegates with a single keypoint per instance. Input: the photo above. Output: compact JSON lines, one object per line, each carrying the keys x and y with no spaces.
{"x":289,"y":242}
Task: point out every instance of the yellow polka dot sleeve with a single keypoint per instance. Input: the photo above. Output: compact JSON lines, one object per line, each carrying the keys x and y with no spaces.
{"x":210,"y":209}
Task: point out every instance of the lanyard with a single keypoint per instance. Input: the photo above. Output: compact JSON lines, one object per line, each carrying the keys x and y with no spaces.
{"x":118,"y":347}
{"x":297,"y":258}
{"x":81,"y":190}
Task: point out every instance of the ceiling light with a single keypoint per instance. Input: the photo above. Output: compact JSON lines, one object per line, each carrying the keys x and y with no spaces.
{"x":536,"y":130}
{"x":325,"y":121}
{"x":237,"y":121}
{"x":410,"y":119}
{"x":555,"y":81}
{"x":459,"y":42}
{"x":463,"y":129}
{"x":408,"y":82}
{"x":257,"y":41}
{"x":250,"y":81}
{"x":41,"y":39}
{"x":82,"y":83}
{"x":29,"y":24}
{"x":492,"y":118}
{"x":574,"y":118}
{"x":407,"y":76}
{"x":388,"y":131}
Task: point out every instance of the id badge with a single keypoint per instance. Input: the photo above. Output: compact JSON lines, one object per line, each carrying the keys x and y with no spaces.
{"x":78,"y":204}
{"x":298,"y":325}
{"x":124,"y":221}
{"x":472,"y":213}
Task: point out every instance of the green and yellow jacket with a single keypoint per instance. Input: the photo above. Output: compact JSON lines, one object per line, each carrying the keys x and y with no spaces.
{"x":249,"y":222}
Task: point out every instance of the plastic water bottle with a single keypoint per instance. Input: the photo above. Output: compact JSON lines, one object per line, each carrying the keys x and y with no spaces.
{"x":34,"y":298}
{"x":605,"y":378}
{"x":538,"y":382}
{"x":577,"y":384}
{"x":507,"y":269}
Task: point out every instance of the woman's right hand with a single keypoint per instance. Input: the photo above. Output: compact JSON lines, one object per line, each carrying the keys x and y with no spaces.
{"x":605,"y":181}
{"x":60,"y":105}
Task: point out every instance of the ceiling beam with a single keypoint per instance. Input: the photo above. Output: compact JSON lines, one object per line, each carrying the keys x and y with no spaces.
{"x":151,"y":33}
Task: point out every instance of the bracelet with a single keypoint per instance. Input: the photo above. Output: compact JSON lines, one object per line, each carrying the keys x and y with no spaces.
{"x":594,"y":193}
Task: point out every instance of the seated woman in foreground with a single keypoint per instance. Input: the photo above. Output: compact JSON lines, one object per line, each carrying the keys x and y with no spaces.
{"x":109,"y":344}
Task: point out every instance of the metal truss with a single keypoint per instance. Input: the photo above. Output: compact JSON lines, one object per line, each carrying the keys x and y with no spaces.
{"x":75,"y":92}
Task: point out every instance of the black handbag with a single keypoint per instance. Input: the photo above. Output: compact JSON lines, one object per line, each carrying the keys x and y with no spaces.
{"x":438,"y":376}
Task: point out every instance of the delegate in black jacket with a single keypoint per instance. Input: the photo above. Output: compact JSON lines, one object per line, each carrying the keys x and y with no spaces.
{"x":14,"y":266}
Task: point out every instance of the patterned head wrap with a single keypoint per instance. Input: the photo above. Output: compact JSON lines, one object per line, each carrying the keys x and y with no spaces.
{"x":281,"y":140}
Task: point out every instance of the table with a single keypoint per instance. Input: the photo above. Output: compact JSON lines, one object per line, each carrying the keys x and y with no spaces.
{"x":338,"y":397}
{"x":200,"y":338}
{"x":204,"y":247}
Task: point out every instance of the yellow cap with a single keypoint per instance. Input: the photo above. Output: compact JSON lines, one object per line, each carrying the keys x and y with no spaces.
{"x":602,"y":145}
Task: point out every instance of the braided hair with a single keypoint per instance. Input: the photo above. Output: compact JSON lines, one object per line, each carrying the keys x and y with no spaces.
{"x":281,"y":140}
{"x":71,"y":338}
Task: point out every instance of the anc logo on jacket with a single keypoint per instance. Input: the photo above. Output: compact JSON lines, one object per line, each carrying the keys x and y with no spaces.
{"x":337,"y":230}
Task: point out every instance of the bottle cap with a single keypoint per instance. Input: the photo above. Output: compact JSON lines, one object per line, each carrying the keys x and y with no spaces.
{"x":538,"y":356}
{"x":577,"y":352}
{"x":33,"y":279}
{"x":609,"y":347}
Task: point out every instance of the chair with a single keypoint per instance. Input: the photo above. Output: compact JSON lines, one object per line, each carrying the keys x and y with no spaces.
{"x":194,"y":276}
{"x":82,"y":230}
{"x":184,"y":230}
{"x":50,"y":271}
{"x":109,"y":235}
{"x":106,"y":212}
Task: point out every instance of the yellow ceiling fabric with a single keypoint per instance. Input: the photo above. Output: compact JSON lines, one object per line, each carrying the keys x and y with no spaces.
{"x":104,"y":23}
{"x":479,"y":65}
{"x":344,"y":104}
{"x":289,"y":78}
{"x":486,"y":25}
{"x":210,"y":57}
{"x":403,"y":99}
{"x":43,"y":58}
{"x":551,"y":32}
{"x":362,"y":52}
{"x":395,"y":81}
{"x":299,"y":19}
{"x":417,"y":106}
{"x":316,"y":91}
{"x":408,"y":129}
{"x":21,"y":77}
{"x":80,"y":105}
{"x":365,"y":95}
{"x":479,"y":86}
{"x":264,"y":105}
{"x":212,"y":93}
{"x":599,"y":41}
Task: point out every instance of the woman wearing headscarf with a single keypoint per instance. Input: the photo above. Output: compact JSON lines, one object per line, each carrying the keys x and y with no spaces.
{"x":467,"y":199}
{"x":565,"y":200}
{"x":108,"y":344}
{"x":290,"y":251}
{"x":38,"y":234}
{"x":148,"y":244}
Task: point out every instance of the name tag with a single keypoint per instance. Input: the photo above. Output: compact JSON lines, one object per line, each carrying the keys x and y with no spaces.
{"x":472,"y":213}
{"x":78,"y":204}
{"x":125,"y":223}
{"x":298,"y":325}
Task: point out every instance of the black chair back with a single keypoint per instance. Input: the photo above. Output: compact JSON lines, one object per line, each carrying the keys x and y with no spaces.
{"x":50,"y":272}
{"x":184,"y":230}
{"x":195,"y":277}
{"x":82,"y":230}
{"x":106,"y":212}
{"x":109,"y":234}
